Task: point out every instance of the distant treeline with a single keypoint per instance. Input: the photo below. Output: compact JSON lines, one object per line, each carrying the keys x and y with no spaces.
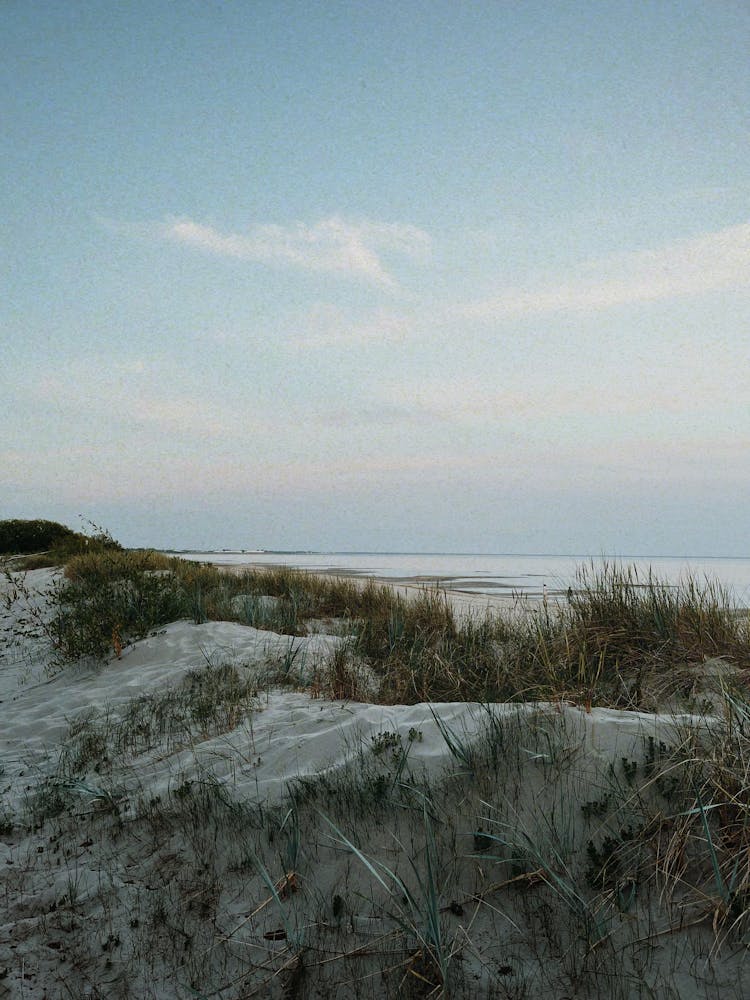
{"x":22,"y":537}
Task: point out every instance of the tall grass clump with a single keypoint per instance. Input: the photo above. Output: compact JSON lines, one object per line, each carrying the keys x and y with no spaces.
{"x":415,"y":908}
{"x":619,"y":640}
{"x":424,"y":652}
{"x":111,"y":597}
{"x":719,"y":821}
{"x":629,"y":617}
{"x":622,"y":635}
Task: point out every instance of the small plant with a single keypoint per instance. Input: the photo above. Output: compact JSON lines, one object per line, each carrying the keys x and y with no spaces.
{"x":596,"y":807}
{"x":482,"y":841}
{"x":87,"y":745}
{"x":604,"y":865}
{"x":6,"y":823}
{"x":655,"y":753}
{"x":338,"y":907}
{"x":659,"y":758}
{"x":184,"y":790}
{"x":290,"y":827}
{"x":50,"y":800}
{"x":629,"y":770}
{"x":418,"y":911}
{"x":459,"y":746}
{"x":381,"y":742}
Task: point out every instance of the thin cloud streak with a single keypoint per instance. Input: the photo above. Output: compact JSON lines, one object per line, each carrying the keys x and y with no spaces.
{"x":708,"y":263}
{"x":535,"y":466}
{"x":473,"y":401}
{"x":328,"y":326}
{"x":124,"y":393}
{"x":332,"y":246}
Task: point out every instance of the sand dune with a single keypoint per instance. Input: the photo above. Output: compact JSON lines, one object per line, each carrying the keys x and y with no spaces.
{"x":294,"y":846}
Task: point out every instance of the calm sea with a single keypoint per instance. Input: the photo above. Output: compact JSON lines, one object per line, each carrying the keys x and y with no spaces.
{"x":502,"y":575}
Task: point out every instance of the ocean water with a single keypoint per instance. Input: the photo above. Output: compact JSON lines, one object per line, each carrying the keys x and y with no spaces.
{"x":501,"y":575}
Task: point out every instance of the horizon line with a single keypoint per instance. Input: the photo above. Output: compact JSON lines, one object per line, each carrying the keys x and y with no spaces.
{"x":415,"y":552}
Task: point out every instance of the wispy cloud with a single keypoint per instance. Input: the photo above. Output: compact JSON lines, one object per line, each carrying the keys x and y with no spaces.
{"x":333,"y":246}
{"x":708,"y":263}
{"x":328,"y":326}
{"x":692,"y":386}
{"x":130,"y":393}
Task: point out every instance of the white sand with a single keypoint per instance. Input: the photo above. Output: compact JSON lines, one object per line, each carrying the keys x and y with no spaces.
{"x":78,"y":890}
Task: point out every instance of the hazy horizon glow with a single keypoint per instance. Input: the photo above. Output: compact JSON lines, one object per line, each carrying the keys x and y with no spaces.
{"x":436,"y":277}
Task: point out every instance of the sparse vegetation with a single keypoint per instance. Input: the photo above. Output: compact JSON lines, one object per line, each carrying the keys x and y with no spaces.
{"x":537,"y":860}
{"x":206,"y":703}
{"x":618,"y":641}
{"x":375,"y":880}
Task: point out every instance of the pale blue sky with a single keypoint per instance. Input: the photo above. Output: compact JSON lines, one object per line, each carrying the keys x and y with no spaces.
{"x":397,"y":276}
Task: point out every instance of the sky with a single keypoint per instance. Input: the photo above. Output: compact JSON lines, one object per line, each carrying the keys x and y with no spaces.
{"x":414,"y":276}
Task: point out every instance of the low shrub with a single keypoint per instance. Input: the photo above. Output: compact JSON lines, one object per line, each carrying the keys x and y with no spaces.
{"x":19,"y":537}
{"x":41,"y":544}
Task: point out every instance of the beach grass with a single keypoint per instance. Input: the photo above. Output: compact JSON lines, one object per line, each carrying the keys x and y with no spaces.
{"x":527,"y":874}
{"x":618,"y":640}
{"x":551,"y":854}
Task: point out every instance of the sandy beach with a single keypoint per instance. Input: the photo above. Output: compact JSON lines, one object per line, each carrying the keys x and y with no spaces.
{"x":463,"y":602}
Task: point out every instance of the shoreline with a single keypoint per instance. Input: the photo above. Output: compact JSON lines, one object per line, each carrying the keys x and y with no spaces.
{"x":506,"y":578}
{"x":463,"y":601}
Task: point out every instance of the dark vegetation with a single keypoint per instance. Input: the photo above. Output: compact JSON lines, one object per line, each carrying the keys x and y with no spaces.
{"x":48,"y":543}
{"x":18,"y":536}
